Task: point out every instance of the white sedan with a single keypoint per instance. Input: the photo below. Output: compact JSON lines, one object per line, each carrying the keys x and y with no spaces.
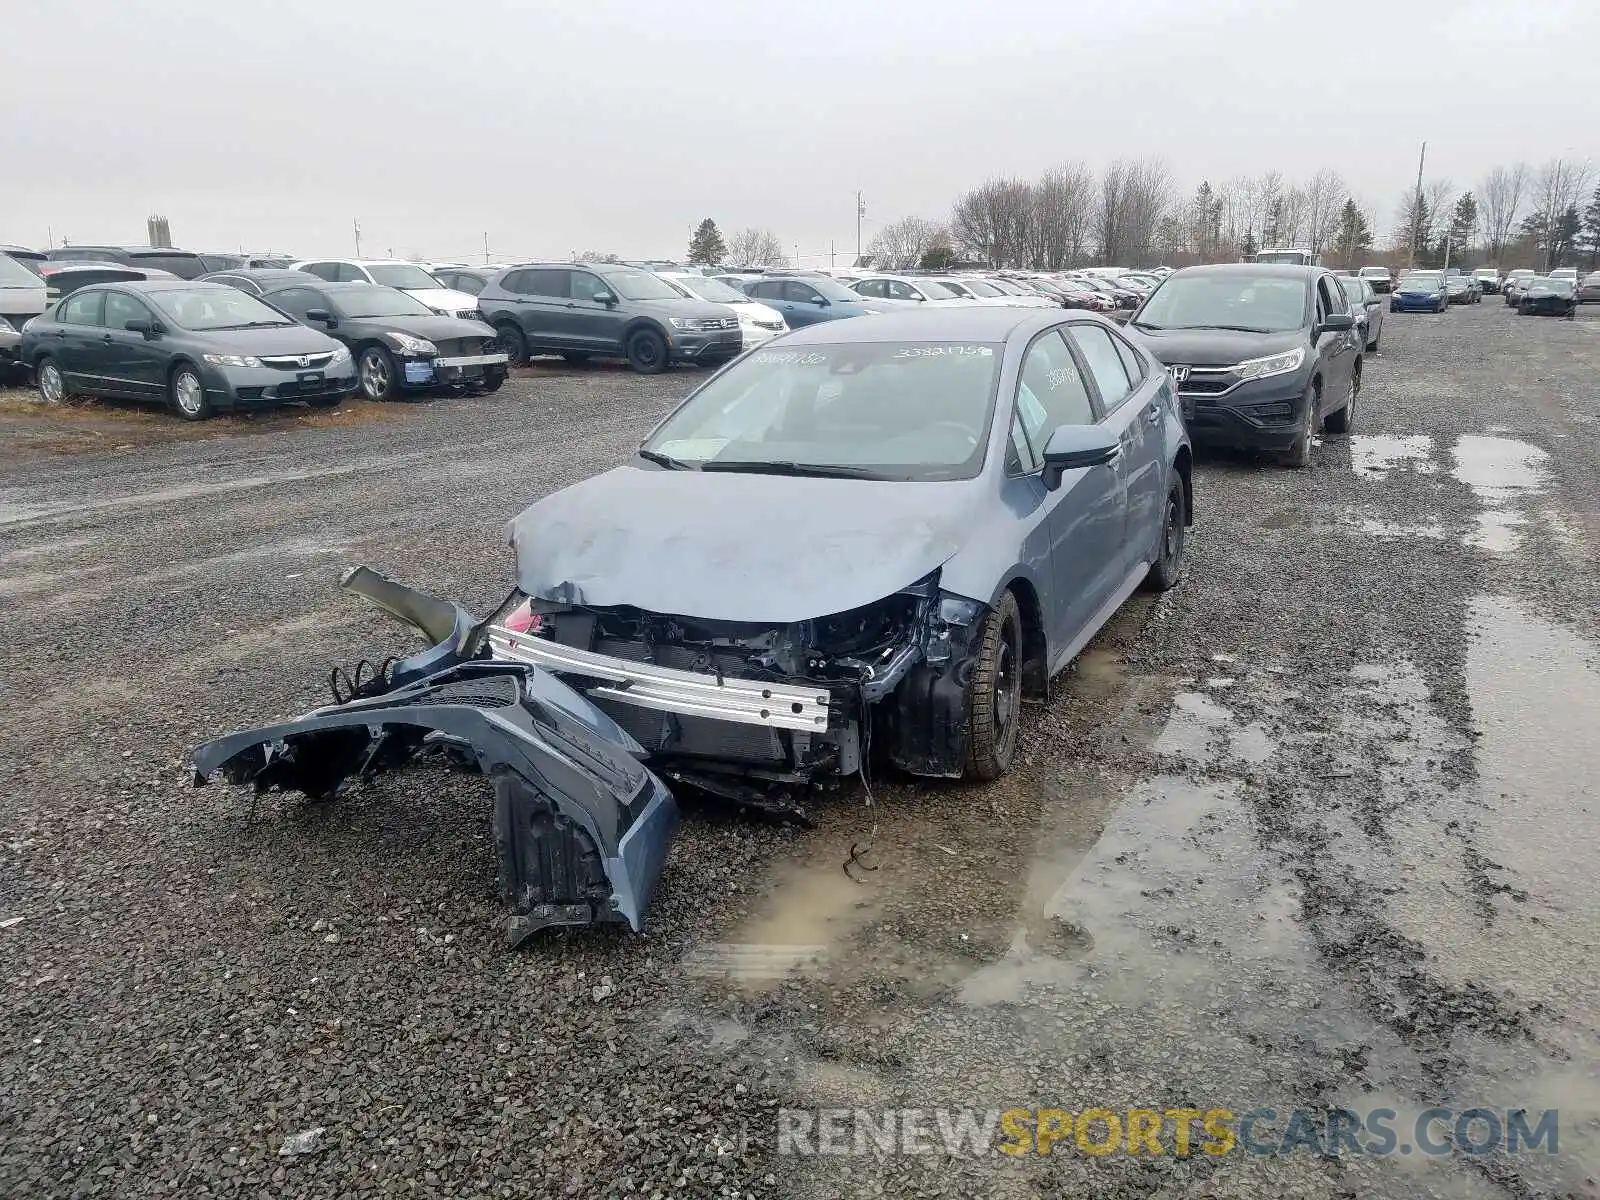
{"x":982,"y":291}
{"x":901,"y":290}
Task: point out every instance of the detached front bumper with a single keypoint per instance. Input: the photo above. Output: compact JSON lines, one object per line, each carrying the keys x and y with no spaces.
{"x":582,"y":827}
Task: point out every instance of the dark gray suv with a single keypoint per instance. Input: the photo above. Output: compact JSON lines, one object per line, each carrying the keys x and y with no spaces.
{"x":579,"y":310}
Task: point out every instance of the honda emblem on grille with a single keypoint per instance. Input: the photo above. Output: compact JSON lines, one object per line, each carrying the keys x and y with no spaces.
{"x":1179,"y":374}
{"x":304,"y":361}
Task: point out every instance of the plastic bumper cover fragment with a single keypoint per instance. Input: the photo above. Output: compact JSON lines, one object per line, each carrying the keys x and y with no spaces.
{"x":582,"y":828}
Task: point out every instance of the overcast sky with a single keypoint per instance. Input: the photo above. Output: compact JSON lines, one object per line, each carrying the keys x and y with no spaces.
{"x":616,"y":124}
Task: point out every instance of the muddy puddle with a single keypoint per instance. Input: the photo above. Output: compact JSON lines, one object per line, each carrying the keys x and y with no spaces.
{"x":1503,"y":473}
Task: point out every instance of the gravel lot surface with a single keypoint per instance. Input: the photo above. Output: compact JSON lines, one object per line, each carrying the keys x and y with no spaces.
{"x":1317,"y":828}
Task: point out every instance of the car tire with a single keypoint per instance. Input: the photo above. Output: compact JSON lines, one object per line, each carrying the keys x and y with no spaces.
{"x":514,"y":342}
{"x":994,"y":697}
{"x":325,"y":401}
{"x":375,"y":368}
{"x":1298,"y":455}
{"x":1372,"y":346}
{"x":647,"y":352}
{"x":491,"y":384}
{"x":52,"y":384}
{"x":575,"y":358}
{"x":1167,"y":570}
{"x":186,"y":393}
{"x":1344,"y":420}
{"x":1524,"y":310}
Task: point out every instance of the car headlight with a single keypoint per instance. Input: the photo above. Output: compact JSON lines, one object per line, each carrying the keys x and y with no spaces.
{"x":688,"y":323}
{"x":414,"y":345}
{"x":340,"y":357}
{"x":1272,"y":364}
{"x":232,"y":360}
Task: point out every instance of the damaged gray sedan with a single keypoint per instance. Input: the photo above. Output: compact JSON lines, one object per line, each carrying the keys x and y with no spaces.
{"x":867,"y":541}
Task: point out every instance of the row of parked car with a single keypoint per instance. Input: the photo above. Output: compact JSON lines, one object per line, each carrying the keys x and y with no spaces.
{"x":651,"y":315}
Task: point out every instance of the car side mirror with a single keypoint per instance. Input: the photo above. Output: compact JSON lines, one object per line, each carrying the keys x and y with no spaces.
{"x":1074,"y":446}
{"x":605,"y":298}
{"x":140,"y":325}
{"x":321,"y":315}
{"x":1338,"y":323}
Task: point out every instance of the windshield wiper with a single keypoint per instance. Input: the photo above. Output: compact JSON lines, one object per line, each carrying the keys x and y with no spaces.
{"x":1146,"y":325}
{"x":662,"y":460}
{"x":257,"y":325}
{"x":1230,"y":328}
{"x":786,"y":467}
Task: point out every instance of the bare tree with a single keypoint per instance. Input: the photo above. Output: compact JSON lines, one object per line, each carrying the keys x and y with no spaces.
{"x":1501,"y":194}
{"x":752,"y":247}
{"x":1058,"y":226}
{"x":1134,"y":198}
{"x":900,"y":244}
{"x":1325,"y":197}
{"x":991,"y":222}
{"x":1437,"y":196}
{"x":1293,"y":207}
{"x":1559,"y":185}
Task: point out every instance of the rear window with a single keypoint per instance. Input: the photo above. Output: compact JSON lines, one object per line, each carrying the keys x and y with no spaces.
{"x":184,"y":266}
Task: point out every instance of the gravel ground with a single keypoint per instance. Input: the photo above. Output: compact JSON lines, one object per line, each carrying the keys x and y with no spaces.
{"x":1318,"y":828}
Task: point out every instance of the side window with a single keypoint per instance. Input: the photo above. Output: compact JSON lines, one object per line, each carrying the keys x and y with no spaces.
{"x":294,"y":301}
{"x":902,"y":291}
{"x":470,"y":284}
{"x":1323,"y":307}
{"x":121,"y":309}
{"x":323,"y":270}
{"x":82,"y":309}
{"x":1104,"y":363}
{"x":800,"y":293}
{"x":765,"y":291}
{"x":1020,"y":456}
{"x":870,"y":287}
{"x":1051,"y":391}
{"x":518,"y":283}
{"x":350,"y":273}
{"x":586,"y":286}
{"x":1132,"y":361}
{"x":547,"y":283}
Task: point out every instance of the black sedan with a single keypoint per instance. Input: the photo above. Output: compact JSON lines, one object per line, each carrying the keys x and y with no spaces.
{"x":198,"y":347}
{"x":1549,"y":298}
{"x":398,"y":341}
{"x":258,"y":281}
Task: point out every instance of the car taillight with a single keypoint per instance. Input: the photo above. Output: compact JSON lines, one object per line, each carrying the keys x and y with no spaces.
{"x":523,"y":619}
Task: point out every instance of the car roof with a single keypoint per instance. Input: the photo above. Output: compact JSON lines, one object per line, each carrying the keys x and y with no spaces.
{"x":977,"y":324}
{"x":265,"y":275}
{"x":173,"y":284}
{"x":1255,"y":270}
{"x":323,"y":285}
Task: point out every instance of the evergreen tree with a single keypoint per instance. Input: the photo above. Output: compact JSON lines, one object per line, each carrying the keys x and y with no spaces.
{"x":1591,"y":229}
{"x":1355,"y":236}
{"x":1247,"y":246}
{"x":1463,"y":227}
{"x":706,"y":247}
{"x":1564,"y":237}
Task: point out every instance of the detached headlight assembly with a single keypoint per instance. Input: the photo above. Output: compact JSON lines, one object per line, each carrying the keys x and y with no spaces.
{"x":414,"y":345}
{"x":232,"y":360}
{"x":1273,"y":364}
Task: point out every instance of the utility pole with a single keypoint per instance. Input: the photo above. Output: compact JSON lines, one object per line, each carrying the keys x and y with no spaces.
{"x":357,"y":224}
{"x":861,"y":211}
{"x":486,"y":249}
{"x":831,"y":262}
{"x":1416,"y":207}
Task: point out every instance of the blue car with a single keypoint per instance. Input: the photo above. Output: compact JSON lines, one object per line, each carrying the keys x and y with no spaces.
{"x":1420,"y":291}
{"x":868,"y":540}
{"x":808,"y":299}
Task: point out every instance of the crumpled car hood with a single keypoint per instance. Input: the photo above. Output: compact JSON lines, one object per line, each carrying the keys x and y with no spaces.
{"x":729,"y":547}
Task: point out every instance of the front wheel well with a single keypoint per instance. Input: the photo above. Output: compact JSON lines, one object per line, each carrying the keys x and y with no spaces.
{"x":1184,"y":465}
{"x":1035,"y":652}
{"x":178,"y":364}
